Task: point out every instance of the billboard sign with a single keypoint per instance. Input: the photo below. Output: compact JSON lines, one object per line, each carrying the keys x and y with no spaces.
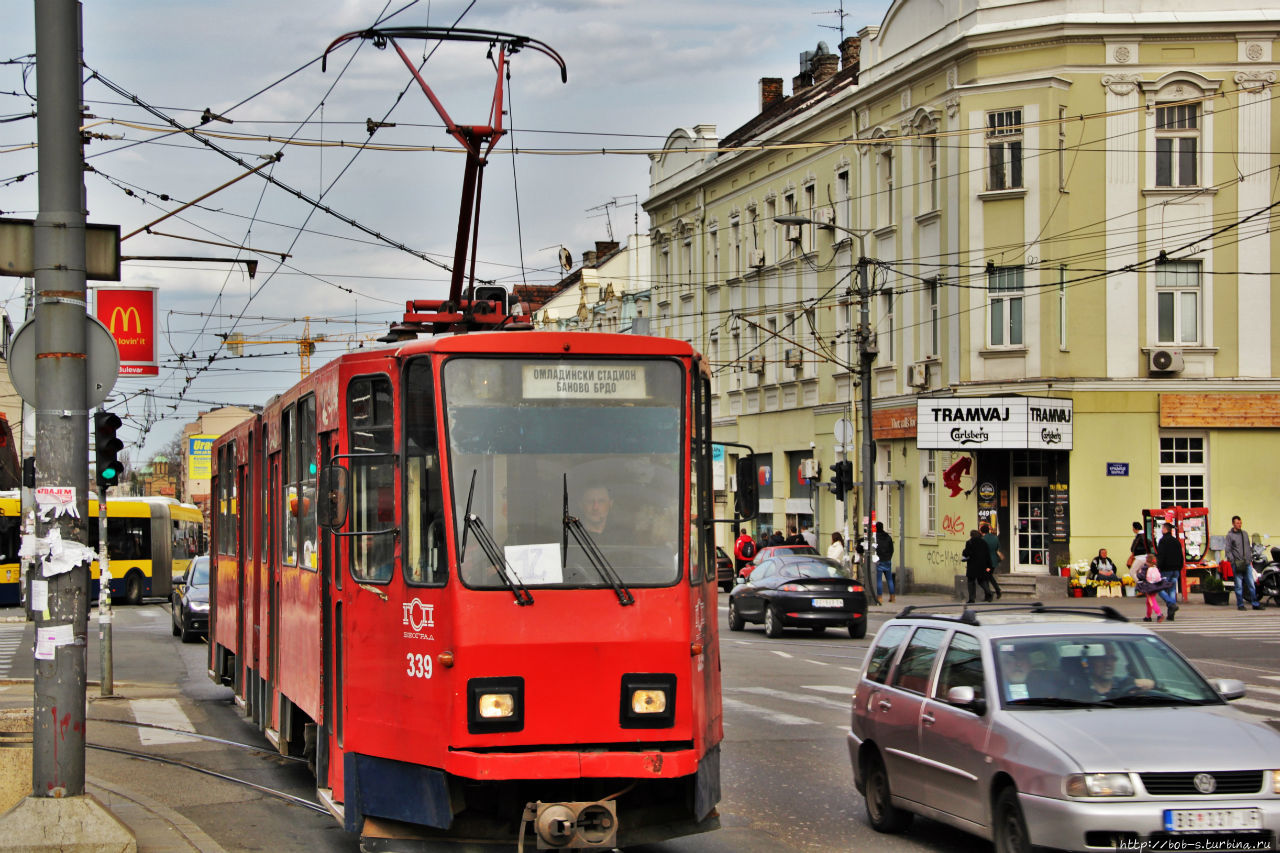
{"x":130,"y":315}
{"x":1003,"y":423}
{"x":200,"y":456}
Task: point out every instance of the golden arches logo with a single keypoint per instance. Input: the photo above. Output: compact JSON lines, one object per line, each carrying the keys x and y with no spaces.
{"x":123,"y":314}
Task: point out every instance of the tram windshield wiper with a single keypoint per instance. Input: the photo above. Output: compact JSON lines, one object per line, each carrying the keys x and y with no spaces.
{"x":472,"y":522}
{"x":594,"y":555}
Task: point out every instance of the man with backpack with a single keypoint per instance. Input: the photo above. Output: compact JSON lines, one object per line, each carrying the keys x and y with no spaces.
{"x":744,"y":550}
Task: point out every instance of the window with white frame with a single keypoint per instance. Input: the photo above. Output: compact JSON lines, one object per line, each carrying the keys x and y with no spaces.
{"x":1183,"y":468}
{"x":713,"y":240}
{"x":929,"y":493}
{"x":1004,"y":306}
{"x":929,"y":156}
{"x":844,"y":199}
{"x":886,"y":327}
{"x":1178,"y":302}
{"x":885,"y":494}
{"x":886,"y":186}
{"x":1177,"y":145}
{"x":1004,"y":149}
{"x":934,"y":287}
{"x":735,"y":235}
{"x":810,"y":210}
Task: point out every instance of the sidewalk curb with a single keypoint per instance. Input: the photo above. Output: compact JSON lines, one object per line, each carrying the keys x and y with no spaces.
{"x":152,"y":822}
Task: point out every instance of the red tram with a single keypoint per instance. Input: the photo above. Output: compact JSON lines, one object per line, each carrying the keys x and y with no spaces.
{"x":473,"y":580}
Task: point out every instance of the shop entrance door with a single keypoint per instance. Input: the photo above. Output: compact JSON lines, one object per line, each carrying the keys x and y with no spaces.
{"x":1030,"y":535}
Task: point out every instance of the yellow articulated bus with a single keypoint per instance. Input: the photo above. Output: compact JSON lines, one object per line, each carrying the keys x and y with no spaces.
{"x":10,"y":542}
{"x":150,"y":541}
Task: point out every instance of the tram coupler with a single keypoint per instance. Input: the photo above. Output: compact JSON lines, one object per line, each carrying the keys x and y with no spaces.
{"x":562,"y":826}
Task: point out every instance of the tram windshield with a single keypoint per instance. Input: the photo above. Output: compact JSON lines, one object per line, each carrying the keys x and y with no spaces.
{"x":526,"y":434}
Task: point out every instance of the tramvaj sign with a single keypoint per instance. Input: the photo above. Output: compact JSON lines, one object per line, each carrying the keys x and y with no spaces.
{"x":993,"y":423}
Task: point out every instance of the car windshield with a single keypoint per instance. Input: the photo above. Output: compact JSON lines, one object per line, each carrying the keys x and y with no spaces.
{"x":1096,"y":670}
{"x":199,"y":573}
{"x":526,"y":435}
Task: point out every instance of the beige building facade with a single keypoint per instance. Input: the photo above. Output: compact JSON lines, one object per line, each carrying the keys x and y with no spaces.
{"x":1066,"y":207}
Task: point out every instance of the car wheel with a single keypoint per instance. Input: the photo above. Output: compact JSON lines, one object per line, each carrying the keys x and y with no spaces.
{"x":858,"y":629}
{"x":736,"y":622}
{"x":883,"y":815}
{"x":1010,"y":829}
{"x":726,"y":586}
{"x":772,"y":622}
{"x":187,"y":636}
{"x":174,"y":619}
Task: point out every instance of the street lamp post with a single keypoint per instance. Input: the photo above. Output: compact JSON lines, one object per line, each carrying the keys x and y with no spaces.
{"x":867,"y":352}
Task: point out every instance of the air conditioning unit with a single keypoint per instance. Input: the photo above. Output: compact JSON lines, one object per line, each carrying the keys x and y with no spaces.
{"x":824,"y":216}
{"x":1164,"y":361}
{"x":918,"y":375}
{"x":793,"y":358}
{"x":809,"y":469}
{"x":757,"y":258}
{"x":755,"y":364}
{"x":793,"y":233}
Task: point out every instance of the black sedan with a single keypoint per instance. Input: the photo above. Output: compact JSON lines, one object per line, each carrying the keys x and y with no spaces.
{"x":799,"y":591}
{"x":189,"y":603}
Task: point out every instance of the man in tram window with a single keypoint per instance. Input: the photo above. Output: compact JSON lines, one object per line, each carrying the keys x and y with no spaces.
{"x":597,"y":503}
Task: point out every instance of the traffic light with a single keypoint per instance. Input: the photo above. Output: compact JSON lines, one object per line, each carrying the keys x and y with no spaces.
{"x":108,"y":447}
{"x":841,"y":478}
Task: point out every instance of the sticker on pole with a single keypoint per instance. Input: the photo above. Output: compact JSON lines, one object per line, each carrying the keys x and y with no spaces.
{"x":56,"y":501}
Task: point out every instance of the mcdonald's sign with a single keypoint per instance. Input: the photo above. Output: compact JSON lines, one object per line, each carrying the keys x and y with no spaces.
{"x":130,"y":314}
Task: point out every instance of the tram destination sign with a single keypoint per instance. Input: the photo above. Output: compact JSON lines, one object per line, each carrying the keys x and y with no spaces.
{"x":584,"y":381}
{"x":995,"y":423}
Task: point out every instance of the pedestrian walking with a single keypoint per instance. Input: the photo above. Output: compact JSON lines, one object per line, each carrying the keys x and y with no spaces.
{"x":744,"y":550}
{"x":1239,"y":553}
{"x":810,"y":537}
{"x":977,"y":561}
{"x":1138,"y":551}
{"x":793,"y":536}
{"x":835,"y":551}
{"x":884,"y":562}
{"x":1170,"y":561}
{"x":997,"y":556}
{"x":1149,"y":584}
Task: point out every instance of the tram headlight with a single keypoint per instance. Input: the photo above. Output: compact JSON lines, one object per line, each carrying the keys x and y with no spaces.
{"x":648,"y":701}
{"x":495,"y":705}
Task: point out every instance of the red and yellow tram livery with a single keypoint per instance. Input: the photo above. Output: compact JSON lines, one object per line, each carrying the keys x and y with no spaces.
{"x":472,"y":580}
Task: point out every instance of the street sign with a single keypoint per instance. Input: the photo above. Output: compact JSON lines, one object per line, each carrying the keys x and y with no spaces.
{"x":844,"y":431}
{"x":102,"y":362}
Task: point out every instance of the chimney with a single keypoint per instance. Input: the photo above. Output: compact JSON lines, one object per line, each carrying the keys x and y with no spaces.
{"x":605,"y":247}
{"x":801,"y":81}
{"x":850,"y":51}
{"x":825,"y":65}
{"x":588,"y":258}
{"x":770,"y":92}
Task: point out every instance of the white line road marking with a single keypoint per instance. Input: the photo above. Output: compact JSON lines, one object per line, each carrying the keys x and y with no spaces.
{"x":820,"y":701}
{"x":772,"y":716}
{"x":161,"y":712}
{"x":817,"y":662}
{"x":838,"y":689}
{"x":781,"y":654}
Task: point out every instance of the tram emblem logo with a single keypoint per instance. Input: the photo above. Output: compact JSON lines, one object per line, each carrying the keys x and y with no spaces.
{"x":418,"y":615}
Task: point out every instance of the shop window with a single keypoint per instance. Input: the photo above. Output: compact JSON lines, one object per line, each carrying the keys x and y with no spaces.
{"x":1183,"y":470}
{"x":929,"y":493}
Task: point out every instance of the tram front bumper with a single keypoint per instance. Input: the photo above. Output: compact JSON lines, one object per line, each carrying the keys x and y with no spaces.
{"x":557,"y":764}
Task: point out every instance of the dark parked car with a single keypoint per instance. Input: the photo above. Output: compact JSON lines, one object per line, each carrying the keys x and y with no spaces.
{"x":189,"y":603}
{"x":777,"y":551}
{"x":799,"y":591}
{"x":724,"y":569}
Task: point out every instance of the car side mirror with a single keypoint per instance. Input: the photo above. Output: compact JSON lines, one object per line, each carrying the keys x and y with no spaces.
{"x":967,"y":698}
{"x":1228,"y":688}
{"x":333,"y":485}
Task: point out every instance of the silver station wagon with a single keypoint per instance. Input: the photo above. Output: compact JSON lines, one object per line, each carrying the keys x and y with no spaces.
{"x":1062,"y":727}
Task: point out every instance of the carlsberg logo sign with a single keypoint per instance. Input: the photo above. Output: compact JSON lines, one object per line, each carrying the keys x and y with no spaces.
{"x":1014,"y":423}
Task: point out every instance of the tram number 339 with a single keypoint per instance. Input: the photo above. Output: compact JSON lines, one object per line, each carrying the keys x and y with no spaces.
{"x":419,"y":666}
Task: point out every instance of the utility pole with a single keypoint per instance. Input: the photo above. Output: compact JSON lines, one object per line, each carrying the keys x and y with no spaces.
{"x":868,"y":349}
{"x":62,"y":448}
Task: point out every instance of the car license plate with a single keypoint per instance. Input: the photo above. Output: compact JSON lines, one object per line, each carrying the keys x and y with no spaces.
{"x":1199,"y":820}
{"x":828,"y":602}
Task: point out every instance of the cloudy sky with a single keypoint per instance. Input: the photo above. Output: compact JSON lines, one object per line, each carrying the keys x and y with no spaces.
{"x":636,"y":71}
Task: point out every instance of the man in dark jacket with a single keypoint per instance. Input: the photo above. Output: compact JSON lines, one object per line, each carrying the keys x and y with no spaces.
{"x":977,"y":561}
{"x":1170,"y":562}
{"x":1240,"y":555}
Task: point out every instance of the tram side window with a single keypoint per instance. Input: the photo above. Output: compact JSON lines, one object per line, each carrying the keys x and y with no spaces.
{"x":305,"y":484}
{"x":289,"y":495}
{"x":371,"y":433}
{"x":424,"y":559}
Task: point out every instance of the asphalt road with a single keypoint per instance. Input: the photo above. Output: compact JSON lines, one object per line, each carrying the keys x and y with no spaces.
{"x":787,"y":784}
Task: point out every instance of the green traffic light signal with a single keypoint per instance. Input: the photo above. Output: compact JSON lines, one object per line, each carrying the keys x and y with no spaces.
{"x":108,"y":448}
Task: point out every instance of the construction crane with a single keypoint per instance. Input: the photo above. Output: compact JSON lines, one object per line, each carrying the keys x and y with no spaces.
{"x":306,"y":343}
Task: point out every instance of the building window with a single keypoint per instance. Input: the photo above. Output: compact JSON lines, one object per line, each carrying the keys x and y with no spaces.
{"x":1183,"y":466}
{"x":929,"y":153}
{"x":1004,"y":306}
{"x":1004,"y":150}
{"x":810,"y":210}
{"x":886,"y":326}
{"x":1178,"y":302}
{"x":929,"y":493}
{"x":935,"y":318}
{"x":844,"y":198}
{"x":1177,"y":141}
{"x":886,"y":187}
